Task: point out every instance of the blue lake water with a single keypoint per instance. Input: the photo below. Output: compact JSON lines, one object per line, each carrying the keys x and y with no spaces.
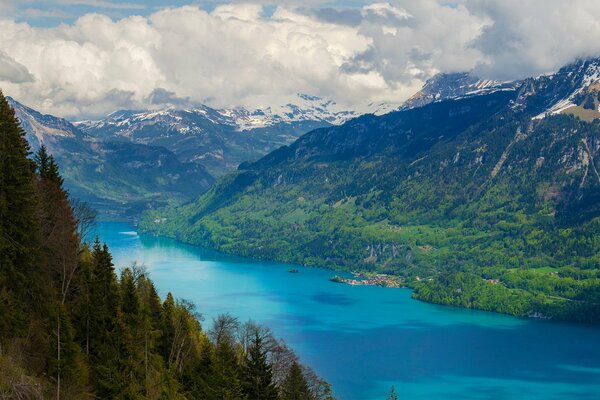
{"x":365,"y":339}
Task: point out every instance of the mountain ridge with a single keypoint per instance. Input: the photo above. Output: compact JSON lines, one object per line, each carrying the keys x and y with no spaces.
{"x":117,"y":178}
{"x":472,"y":201}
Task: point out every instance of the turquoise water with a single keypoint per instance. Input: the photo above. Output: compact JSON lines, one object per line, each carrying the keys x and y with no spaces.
{"x":365,"y":339}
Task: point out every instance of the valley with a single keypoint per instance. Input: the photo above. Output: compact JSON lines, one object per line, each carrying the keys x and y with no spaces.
{"x":323,"y":200}
{"x":479,"y":195}
{"x":132,"y":161}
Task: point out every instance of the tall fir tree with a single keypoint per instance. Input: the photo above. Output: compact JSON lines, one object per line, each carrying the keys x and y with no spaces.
{"x":18,"y":224}
{"x":225,"y":374}
{"x":392,"y":395}
{"x":295,"y":386}
{"x":257,"y":372}
{"x":105,"y":343}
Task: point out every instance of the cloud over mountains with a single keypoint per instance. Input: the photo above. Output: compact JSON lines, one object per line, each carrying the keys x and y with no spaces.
{"x":240,"y":54}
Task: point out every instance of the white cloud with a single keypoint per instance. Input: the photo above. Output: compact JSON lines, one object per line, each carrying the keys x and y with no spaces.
{"x":234,"y":55}
{"x":533,"y":37}
{"x":12,"y":71}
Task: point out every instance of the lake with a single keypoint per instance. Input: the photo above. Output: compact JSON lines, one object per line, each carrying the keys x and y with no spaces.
{"x":364,"y":339}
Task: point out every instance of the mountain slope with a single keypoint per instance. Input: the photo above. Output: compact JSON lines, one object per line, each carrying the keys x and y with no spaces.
{"x":452,"y":86}
{"x":473,"y":201}
{"x":118,"y":178}
{"x":219,"y":139}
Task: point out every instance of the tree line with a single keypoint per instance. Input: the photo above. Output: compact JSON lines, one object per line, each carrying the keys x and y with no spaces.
{"x":72,"y":328}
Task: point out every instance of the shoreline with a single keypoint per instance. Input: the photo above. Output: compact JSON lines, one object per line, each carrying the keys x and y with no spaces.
{"x":380,"y":280}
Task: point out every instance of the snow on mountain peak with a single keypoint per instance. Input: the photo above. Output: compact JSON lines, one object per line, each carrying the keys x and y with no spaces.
{"x":454,"y":85}
{"x":305,"y":108}
{"x":577,"y":81}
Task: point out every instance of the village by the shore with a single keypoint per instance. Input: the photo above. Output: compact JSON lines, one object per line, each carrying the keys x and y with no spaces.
{"x":359,"y":279}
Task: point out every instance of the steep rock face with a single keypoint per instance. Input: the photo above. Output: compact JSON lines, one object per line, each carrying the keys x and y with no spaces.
{"x":405,"y":133}
{"x":559,"y":92}
{"x":44,"y":129}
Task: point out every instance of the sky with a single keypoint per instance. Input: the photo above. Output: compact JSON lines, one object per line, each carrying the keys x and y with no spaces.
{"x":86,"y":58}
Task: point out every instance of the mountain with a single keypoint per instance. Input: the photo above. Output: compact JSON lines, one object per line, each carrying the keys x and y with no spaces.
{"x":573,"y":90}
{"x":133,"y":160}
{"x":116,"y":177}
{"x":219,"y":139}
{"x":488,"y":200}
{"x":455,"y":85}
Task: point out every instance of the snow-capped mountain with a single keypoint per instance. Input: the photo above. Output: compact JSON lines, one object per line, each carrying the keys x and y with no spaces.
{"x":219,"y":139}
{"x":306,"y":109}
{"x":455,"y":85}
{"x":148,"y":156}
{"x":574,"y":89}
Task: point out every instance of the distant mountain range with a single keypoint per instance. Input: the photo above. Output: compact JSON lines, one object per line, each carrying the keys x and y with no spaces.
{"x":218,"y":139}
{"x":478,"y":194}
{"x":133,"y":160}
{"x":118,"y":178}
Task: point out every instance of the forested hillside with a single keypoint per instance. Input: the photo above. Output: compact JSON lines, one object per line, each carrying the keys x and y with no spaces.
{"x":488,"y":201}
{"x":70,"y":328}
{"x":117,"y":177}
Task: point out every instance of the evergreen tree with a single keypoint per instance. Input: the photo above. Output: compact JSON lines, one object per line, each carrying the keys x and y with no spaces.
{"x":224,"y":377}
{"x":18,"y":225}
{"x":258,"y":373}
{"x":42,"y":162}
{"x":392,"y":394}
{"x":47,"y":168}
{"x":168,"y":328}
{"x":295,"y":386}
{"x":105,"y":342}
{"x":82,"y":305}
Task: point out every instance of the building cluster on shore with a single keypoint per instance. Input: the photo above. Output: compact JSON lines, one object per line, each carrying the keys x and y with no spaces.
{"x":371,"y":280}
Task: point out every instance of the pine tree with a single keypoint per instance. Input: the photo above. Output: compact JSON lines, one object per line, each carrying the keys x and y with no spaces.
{"x":224,"y":377}
{"x":258,"y":373}
{"x":47,"y":168}
{"x":392,"y":394}
{"x":53,"y":174}
{"x":42,"y":161}
{"x":133,"y":354}
{"x":18,"y":225}
{"x":150,"y":332}
{"x":168,"y":328}
{"x":105,"y":342}
{"x":295,"y":386}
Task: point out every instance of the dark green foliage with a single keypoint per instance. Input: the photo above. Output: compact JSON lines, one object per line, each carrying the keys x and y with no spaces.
{"x":69,"y":328}
{"x":589,"y":103}
{"x":46,"y":167}
{"x":258,"y":373}
{"x":224,"y":379}
{"x":18,"y":223}
{"x":475,"y":185}
{"x":295,"y":386}
{"x":392,"y":395}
